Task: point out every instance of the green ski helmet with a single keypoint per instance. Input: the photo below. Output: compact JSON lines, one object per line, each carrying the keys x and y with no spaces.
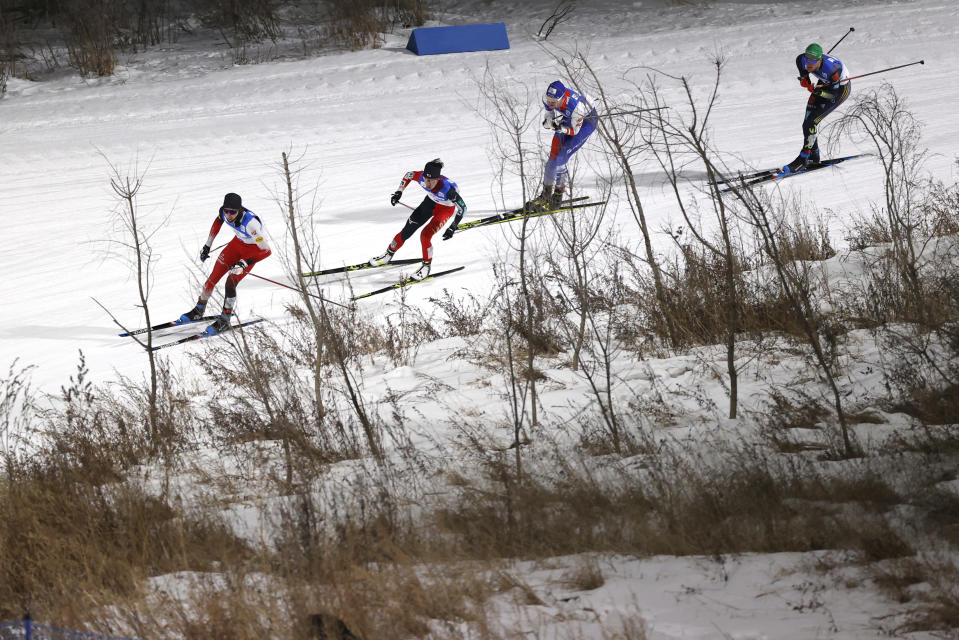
{"x":813,"y":52}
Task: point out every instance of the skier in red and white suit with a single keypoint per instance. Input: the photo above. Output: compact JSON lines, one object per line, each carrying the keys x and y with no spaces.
{"x":441,"y":201}
{"x":238,"y":257}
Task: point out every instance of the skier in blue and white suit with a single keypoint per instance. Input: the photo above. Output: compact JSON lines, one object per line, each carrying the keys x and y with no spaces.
{"x":831,"y":90}
{"x":572,"y":117}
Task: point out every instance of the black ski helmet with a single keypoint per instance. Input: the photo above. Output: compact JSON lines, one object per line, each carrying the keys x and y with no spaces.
{"x":433,"y":168}
{"x":233,"y":201}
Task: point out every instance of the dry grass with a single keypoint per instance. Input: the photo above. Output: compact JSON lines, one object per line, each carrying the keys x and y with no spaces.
{"x":70,"y":543}
{"x":932,"y":406}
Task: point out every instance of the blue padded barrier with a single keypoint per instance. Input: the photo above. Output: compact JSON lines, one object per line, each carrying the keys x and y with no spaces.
{"x":427,"y":41}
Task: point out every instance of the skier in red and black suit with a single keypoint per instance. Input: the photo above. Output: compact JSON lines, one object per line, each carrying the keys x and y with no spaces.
{"x":238,"y":257}
{"x":441,"y":201}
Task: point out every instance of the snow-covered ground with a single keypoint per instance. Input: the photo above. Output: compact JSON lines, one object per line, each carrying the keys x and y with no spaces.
{"x":196,"y":127}
{"x":363,"y":119}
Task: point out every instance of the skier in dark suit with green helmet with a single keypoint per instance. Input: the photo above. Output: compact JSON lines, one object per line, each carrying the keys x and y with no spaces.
{"x":831,"y":90}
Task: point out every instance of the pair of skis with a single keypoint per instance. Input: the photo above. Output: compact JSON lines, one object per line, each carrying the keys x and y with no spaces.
{"x":363,"y":266}
{"x":206,"y":333}
{"x":506,"y":216}
{"x":769,"y":175}
{"x":405,"y":283}
{"x":519,"y":213}
{"x":395,"y":263}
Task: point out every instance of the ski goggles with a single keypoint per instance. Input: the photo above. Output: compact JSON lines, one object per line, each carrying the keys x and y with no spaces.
{"x":230,"y":212}
{"x":810,"y":62}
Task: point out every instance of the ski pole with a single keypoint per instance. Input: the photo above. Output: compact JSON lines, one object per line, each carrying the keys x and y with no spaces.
{"x":625,"y":113}
{"x":872,"y":73}
{"x":851,"y":29}
{"x":297,"y":290}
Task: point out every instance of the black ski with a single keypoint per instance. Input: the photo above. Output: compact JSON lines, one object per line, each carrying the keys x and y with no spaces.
{"x":512,"y":213}
{"x":743,"y":176}
{"x":749,"y":182}
{"x":406,"y":283}
{"x":165,"y":325}
{"x":776,"y":174}
{"x":206,"y":333}
{"x":359,"y":267}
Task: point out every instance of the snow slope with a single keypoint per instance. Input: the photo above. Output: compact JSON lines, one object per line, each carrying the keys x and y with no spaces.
{"x":361,"y":120}
{"x":197,"y":127}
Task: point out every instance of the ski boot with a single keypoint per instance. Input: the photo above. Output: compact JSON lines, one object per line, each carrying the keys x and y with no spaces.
{"x":221,"y":324}
{"x":381,"y":260}
{"x":799,"y":164}
{"x":192,"y":315}
{"x":542,"y":202}
{"x":422,"y":272}
{"x":556,"y":199}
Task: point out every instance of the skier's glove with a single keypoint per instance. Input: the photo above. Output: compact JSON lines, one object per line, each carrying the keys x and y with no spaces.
{"x":558,"y":123}
{"x":239,"y":267}
{"x":395,"y":197}
{"x":806,"y":83}
{"x":547,"y":121}
{"x":449,"y":232}
{"x":204,"y":252}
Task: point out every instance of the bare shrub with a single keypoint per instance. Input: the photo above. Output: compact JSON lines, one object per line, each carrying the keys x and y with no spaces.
{"x":463,"y":315}
{"x":88,"y":28}
{"x":263,"y":397}
{"x":591,"y":292}
{"x":359,"y":24}
{"x":248,"y":20}
{"x":561,"y":13}
{"x":88,"y":433}
{"x":883,"y":118}
{"x":888,"y":296}
{"x":139,"y":24}
{"x":9,"y":51}
{"x":911,"y":276}
{"x":405,"y":332}
{"x":522,"y":302}
{"x":800,"y":287}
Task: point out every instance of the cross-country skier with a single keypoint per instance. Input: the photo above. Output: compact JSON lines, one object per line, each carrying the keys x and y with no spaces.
{"x":829,"y":92}
{"x":442,"y":199}
{"x":238,"y":257}
{"x":573,"y":119}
